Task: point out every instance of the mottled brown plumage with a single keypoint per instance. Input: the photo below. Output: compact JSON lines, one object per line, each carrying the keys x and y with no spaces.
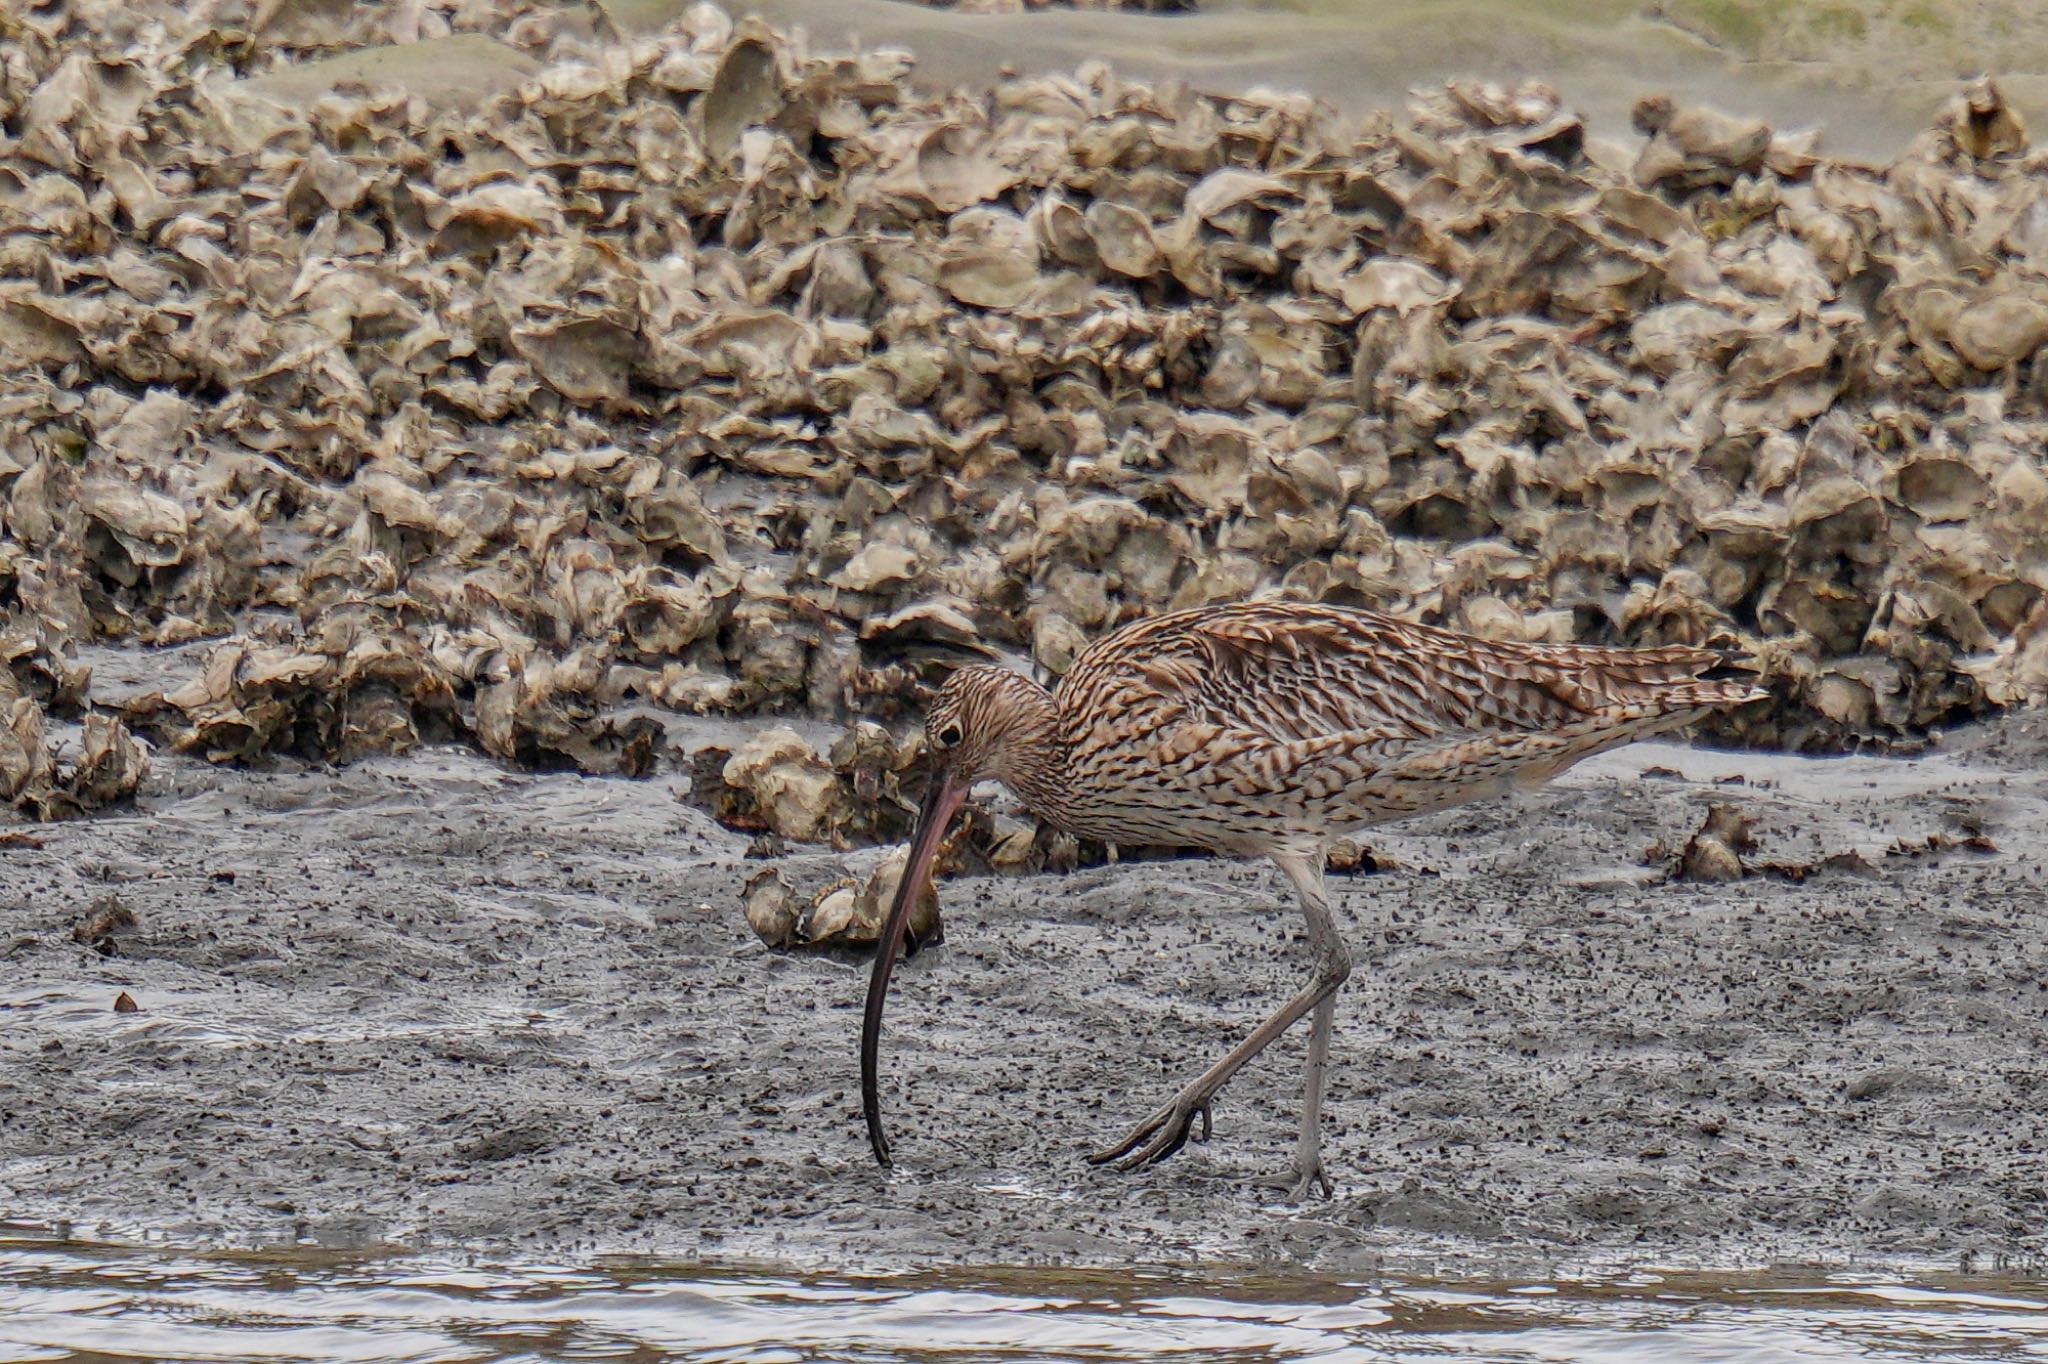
{"x":1267,"y":729}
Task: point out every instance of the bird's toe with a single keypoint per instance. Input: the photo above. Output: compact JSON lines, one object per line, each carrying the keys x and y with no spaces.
{"x":1159,"y":1135}
{"x":1297,"y":1182}
{"x":1132,"y":1140}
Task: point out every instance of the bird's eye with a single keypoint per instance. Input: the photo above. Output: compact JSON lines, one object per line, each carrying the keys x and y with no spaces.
{"x":949,"y":736}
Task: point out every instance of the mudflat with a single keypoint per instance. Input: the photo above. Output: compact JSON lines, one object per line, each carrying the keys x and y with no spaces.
{"x":430,"y":1001}
{"x":436,"y":1000}
{"x":1870,"y":74}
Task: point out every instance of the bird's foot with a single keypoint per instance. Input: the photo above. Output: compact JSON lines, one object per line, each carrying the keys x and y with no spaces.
{"x":1161,"y":1134}
{"x":1297,"y":1181}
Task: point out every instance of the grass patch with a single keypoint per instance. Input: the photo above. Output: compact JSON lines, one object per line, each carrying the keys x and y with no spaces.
{"x":1924,"y":18}
{"x":1739,"y":26}
{"x":1840,"y":23}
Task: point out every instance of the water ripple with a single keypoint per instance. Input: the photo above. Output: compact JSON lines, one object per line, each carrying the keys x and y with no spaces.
{"x":69,"y":1303}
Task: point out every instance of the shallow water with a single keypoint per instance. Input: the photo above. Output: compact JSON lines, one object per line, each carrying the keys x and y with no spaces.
{"x":70,"y":1302}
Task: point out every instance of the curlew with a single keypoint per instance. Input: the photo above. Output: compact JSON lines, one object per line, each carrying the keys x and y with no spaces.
{"x":1268,"y":729}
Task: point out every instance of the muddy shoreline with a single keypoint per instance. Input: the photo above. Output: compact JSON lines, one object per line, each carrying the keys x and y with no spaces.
{"x":435,"y":1003}
{"x":710,"y":375}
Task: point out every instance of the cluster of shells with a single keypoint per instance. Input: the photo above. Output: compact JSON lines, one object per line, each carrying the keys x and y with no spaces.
{"x":48,"y":779}
{"x":776,"y":785}
{"x":847,"y":911}
{"x":700,"y":373}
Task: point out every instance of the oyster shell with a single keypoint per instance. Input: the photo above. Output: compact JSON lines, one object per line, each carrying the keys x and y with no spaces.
{"x":699,"y":370}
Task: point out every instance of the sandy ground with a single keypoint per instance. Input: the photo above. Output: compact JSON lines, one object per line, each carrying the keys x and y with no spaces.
{"x":430,"y":1001}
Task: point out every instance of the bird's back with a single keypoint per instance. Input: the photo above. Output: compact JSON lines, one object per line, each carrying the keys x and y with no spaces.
{"x":1245,"y":726}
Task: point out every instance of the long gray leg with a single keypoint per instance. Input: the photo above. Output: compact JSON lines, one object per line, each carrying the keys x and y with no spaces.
{"x":1324,"y":942}
{"x":1308,"y":1159}
{"x":1166,"y":1130}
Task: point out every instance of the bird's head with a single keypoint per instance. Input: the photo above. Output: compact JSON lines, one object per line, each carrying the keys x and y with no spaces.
{"x":980,"y":723}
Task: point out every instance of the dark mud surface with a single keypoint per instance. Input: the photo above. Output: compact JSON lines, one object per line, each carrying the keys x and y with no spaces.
{"x":428,"y":1001}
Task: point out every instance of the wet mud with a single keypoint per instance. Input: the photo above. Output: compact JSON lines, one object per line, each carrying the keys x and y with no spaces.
{"x":433,"y":1002}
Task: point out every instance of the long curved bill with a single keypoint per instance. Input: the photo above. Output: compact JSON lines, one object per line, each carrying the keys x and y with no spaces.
{"x":940,"y":802}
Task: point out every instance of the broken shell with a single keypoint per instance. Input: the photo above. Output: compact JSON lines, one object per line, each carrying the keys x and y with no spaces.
{"x":771,"y":907}
{"x":149,"y":527}
{"x":879,"y":566}
{"x":25,"y":763}
{"x":835,"y":916}
{"x":2003,"y":326}
{"x":1714,"y":852}
{"x":1123,"y":240}
{"x":111,"y":764}
{"x":1983,"y":125}
{"x":879,"y":892}
{"x":746,"y":90}
{"x":989,"y":259}
{"x":795,"y":793}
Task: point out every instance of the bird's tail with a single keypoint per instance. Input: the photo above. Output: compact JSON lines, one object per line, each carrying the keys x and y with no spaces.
{"x":1627,"y":684}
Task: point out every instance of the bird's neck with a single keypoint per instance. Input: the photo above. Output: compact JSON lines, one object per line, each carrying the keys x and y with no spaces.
{"x":1033,"y":758}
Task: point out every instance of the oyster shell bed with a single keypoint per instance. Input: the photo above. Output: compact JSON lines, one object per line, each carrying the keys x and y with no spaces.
{"x":701,"y":373}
